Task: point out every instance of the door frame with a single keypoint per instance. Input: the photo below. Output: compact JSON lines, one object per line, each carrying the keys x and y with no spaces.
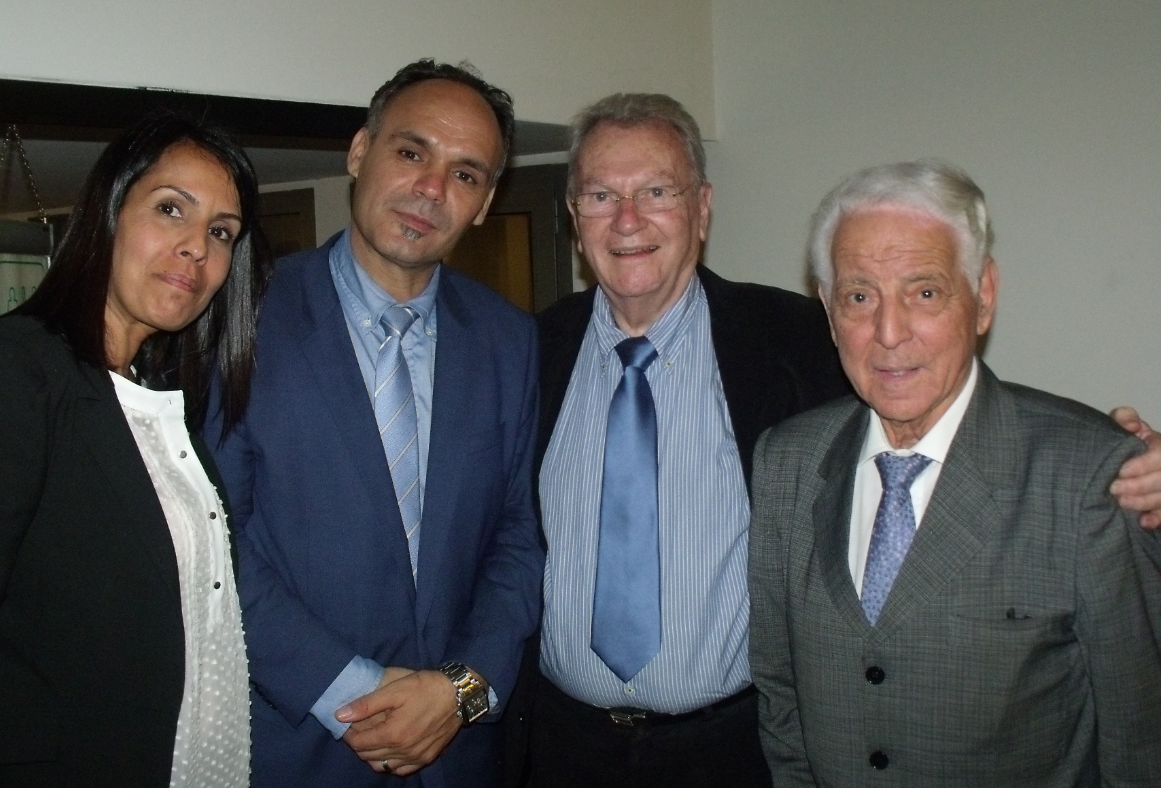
{"x":539,"y":191}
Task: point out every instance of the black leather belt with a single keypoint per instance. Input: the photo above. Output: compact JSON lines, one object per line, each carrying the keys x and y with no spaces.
{"x":626,"y":716}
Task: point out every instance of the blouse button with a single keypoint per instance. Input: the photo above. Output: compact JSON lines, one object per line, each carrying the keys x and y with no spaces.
{"x":217,"y":585}
{"x":181,"y":454}
{"x":213,"y":515}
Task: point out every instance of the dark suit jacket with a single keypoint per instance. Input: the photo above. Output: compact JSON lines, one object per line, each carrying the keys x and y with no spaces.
{"x":775,"y":357}
{"x":325,"y":573}
{"x":1017,"y":646}
{"x":92,"y":649}
{"x":773,"y":347}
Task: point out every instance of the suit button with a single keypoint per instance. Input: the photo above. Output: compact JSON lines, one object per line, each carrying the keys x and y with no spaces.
{"x":879,"y":760}
{"x":875,"y":674}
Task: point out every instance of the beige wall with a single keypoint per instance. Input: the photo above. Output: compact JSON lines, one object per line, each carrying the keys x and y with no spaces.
{"x":1053,"y":107}
{"x":552,"y":56}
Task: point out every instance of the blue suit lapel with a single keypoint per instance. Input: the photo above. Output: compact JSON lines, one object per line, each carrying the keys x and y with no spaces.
{"x":451,"y":421}
{"x":333,"y":369}
{"x":963,"y":512}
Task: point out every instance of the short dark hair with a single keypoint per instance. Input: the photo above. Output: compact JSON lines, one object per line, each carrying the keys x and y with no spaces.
{"x":464,"y":73}
{"x":71,"y":299}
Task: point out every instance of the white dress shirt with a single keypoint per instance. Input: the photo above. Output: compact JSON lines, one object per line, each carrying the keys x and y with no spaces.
{"x":869,"y":485}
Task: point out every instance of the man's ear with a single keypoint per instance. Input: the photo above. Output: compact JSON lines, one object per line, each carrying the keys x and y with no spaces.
{"x":705,"y":199}
{"x":483,"y":214}
{"x":358,"y":148}
{"x":580,"y":249}
{"x":822,"y":296}
{"x":988,"y":291}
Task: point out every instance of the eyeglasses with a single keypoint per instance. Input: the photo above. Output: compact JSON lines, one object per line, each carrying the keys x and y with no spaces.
{"x":654,"y":199}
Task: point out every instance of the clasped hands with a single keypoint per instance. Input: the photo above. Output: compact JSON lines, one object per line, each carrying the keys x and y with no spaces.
{"x":404,"y":724}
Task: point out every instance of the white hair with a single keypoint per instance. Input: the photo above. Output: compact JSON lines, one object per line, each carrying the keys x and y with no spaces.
{"x":928,"y":185}
{"x":630,"y":110}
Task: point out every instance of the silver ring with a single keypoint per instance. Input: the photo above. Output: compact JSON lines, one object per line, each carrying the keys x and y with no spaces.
{"x":383,"y":763}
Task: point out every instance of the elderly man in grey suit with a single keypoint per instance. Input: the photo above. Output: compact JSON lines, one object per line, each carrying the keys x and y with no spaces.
{"x":943,"y":591}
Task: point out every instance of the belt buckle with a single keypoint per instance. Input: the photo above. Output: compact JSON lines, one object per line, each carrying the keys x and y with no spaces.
{"x":627,"y":717}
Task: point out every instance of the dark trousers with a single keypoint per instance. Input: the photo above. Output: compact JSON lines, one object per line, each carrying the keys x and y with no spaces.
{"x":574,"y":744}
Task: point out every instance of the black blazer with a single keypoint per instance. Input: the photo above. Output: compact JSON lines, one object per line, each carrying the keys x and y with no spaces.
{"x":774,"y":351}
{"x":776,"y":360}
{"x":92,"y":647}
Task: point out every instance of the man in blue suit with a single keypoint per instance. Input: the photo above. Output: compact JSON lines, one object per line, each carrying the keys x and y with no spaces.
{"x":389,"y":559}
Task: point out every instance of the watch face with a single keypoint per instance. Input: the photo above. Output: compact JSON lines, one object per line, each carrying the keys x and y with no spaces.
{"x":475,"y":705}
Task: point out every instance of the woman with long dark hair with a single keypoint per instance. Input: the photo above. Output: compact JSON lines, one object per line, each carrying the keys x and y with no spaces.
{"x":121,"y":653}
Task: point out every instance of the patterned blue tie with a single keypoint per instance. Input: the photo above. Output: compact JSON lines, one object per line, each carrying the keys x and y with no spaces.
{"x":398,"y":427}
{"x":894,"y":528}
{"x":627,"y":602}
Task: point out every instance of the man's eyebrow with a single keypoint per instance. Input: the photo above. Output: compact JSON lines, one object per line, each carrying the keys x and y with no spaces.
{"x":413,"y":138}
{"x":661,"y":179}
{"x":927,"y":276}
{"x":421,"y":142}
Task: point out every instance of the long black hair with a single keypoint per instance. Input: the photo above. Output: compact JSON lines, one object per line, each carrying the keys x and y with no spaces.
{"x":71,"y":299}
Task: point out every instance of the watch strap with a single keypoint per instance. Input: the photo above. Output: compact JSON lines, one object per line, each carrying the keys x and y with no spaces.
{"x":471,"y":692}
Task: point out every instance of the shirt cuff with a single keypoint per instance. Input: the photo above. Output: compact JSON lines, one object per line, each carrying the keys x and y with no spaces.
{"x":360,"y":676}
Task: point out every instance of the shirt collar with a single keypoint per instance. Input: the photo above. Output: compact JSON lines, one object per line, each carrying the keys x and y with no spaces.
{"x":936,"y":443}
{"x":665,"y":334}
{"x":367,"y":300}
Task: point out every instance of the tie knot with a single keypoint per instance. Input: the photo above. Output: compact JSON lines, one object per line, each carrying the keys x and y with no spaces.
{"x":636,"y":352}
{"x":397,"y":319}
{"x":897,"y":471}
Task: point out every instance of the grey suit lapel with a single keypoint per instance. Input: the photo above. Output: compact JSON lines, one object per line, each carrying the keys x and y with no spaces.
{"x":832,"y":515}
{"x":963,"y":512}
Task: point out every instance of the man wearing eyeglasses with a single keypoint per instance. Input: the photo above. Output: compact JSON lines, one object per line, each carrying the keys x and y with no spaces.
{"x":654,"y":388}
{"x":643,"y":653}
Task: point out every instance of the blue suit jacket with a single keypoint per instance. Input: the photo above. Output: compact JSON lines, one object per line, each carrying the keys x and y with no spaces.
{"x":325,"y":573}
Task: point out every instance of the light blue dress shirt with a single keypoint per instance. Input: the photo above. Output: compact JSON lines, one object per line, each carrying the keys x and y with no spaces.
{"x":704,"y":517}
{"x":364,"y":303}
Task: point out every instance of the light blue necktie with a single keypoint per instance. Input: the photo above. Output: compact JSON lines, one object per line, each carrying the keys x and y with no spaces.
{"x":894,"y":528}
{"x":626,"y":630}
{"x":398,"y":426}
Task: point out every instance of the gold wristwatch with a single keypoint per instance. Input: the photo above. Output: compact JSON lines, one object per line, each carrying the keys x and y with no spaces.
{"x":471,"y":692}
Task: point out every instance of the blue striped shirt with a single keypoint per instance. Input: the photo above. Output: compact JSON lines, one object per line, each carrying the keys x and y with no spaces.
{"x":364,"y":304}
{"x":704,"y":518}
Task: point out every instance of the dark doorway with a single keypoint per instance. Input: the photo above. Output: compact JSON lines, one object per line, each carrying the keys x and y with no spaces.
{"x":523,"y":249}
{"x":288,"y":220}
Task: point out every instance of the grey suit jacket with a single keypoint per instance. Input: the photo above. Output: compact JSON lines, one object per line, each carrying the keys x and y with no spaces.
{"x":1019,"y":645}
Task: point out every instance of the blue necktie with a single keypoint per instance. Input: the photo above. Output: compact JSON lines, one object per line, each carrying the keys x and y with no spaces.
{"x":398,"y":427}
{"x":894,"y":528}
{"x":627,"y":601}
